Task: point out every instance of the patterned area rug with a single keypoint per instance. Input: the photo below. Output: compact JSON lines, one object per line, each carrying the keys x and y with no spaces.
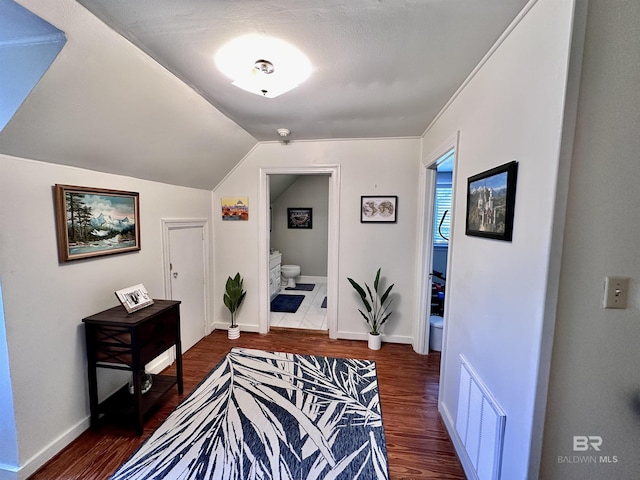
{"x":271,"y":416}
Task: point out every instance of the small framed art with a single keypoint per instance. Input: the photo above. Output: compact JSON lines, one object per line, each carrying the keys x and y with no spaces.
{"x":379,"y":209}
{"x":491,"y":198}
{"x":300,"y":218}
{"x":235,"y":208}
{"x":134,"y":298}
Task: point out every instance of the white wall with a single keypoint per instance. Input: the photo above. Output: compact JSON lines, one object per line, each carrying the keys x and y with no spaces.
{"x":367,"y":167}
{"x":8,"y":435}
{"x":304,"y":247}
{"x":45,"y":302}
{"x":511,"y":109}
{"x":107,"y":106}
{"x":595,"y":385}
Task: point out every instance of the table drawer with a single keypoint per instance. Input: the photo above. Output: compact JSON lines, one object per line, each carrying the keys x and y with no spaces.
{"x":156,"y":336}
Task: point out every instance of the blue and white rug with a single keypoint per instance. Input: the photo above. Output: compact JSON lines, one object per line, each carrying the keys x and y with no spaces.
{"x":271,"y":416}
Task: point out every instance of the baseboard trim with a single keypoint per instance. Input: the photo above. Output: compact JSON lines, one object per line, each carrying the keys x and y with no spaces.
{"x":243,"y":328}
{"x":341,"y":335}
{"x":450,"y":425}
{"x":311,"y":279}
{"x":159,"y":363}
{"x":51,"y":450}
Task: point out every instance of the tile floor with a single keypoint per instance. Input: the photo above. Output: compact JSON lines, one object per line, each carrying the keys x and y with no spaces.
{"x":310,"y":314}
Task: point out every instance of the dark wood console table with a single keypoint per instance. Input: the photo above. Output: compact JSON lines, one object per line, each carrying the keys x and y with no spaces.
{"x":122,"y":341}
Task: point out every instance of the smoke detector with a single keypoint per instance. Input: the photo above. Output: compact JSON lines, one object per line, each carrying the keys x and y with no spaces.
{"x":283,"y":132}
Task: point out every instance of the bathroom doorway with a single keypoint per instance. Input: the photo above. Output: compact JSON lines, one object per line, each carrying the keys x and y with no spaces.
{"x":294,"y":245}
{"x":441,"y":223}
{"x":436,"y":230}
{"x":298,"y":247}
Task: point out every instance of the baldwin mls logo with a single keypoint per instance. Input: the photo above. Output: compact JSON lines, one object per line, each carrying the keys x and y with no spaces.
{"x":590,"y":444}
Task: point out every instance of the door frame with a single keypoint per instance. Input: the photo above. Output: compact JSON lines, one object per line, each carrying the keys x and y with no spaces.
{"x":426,"y":206}
{"x":174,"y":224}
{"x":332,"y":248}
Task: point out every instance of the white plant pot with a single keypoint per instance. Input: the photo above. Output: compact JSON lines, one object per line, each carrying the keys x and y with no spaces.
{"x":233,"y":333}
{"x":375,"y":341}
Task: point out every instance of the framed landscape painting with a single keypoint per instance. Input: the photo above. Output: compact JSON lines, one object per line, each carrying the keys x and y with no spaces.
{"x":491,"y":197}
{"x":93,"y":222}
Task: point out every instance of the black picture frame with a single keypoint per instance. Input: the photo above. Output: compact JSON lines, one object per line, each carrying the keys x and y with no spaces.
{"x":491,"y":199}
{"x":378,"y":209}
{"x":300,"y":218}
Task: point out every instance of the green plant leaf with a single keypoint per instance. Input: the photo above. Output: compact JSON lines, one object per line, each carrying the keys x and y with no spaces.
{"x":363,"y":296}
{"x":377,"y":280}
{"x":386,"y":294}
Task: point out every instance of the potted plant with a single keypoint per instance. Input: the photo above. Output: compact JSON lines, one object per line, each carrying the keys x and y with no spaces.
{"x":233,"y":297}
{"x":376,"y":307}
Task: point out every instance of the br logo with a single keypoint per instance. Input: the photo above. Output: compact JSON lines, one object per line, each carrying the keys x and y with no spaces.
{"x":582,"y":443}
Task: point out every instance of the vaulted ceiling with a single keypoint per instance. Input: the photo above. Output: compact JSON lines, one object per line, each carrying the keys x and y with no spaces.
{"x":380,"y":69}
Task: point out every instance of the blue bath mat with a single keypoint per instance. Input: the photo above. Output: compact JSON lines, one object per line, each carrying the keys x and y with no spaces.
{"x":307,"y":287}
{"x":286,"y":303}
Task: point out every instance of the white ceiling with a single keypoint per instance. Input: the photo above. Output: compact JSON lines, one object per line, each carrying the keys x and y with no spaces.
{"x":382,"y":68}
{"x":135,"y":91}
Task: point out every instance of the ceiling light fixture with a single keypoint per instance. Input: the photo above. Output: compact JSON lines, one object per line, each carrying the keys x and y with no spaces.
{"x":263,"y":65}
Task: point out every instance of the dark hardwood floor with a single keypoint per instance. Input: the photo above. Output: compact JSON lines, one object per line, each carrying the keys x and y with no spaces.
{"x":418,"y":445}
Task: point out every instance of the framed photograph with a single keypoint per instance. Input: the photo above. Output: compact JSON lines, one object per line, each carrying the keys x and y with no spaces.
{"x":134,"y":298}
{"x":300,"y":217}
{"x":491,"y":198}
{"x":95,"y":221}
{"x":235,"y":208}
{"x":380,"y":209}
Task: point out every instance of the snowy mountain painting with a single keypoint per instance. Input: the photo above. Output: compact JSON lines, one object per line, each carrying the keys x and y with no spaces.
{"x":98,"y":222}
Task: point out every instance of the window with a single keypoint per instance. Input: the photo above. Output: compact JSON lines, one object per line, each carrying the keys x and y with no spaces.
{"x":443,"y":204}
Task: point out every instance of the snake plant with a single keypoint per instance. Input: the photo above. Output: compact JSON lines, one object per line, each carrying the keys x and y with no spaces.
{"x":233,"y":296}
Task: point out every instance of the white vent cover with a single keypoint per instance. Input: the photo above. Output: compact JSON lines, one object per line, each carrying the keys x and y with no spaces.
{"x":480,"y":424}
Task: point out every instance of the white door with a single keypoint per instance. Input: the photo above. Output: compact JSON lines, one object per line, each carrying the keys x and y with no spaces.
{"x":187,"y":281}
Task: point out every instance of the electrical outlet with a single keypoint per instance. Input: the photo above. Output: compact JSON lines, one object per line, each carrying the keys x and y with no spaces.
{"x":616,"y":290}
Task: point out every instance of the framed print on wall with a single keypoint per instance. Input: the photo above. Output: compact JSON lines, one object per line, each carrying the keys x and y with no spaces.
{"x":378,"y":209}
{"x":235,"y":208}
{"x":300,"y":218}
{"x":491,"y":197}
{"x":92,"y":222}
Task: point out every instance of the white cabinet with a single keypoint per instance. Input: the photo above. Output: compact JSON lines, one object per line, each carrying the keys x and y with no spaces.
{"x":274,"y":274}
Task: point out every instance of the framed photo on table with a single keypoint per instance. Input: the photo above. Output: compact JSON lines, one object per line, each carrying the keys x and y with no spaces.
{"x":134,"y":298}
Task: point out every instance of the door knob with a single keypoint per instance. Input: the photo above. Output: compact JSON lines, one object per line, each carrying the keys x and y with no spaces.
{"x":175,"y":274}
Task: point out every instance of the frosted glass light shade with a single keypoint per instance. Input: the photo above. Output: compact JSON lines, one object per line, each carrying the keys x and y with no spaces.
{"x":237,"y":60}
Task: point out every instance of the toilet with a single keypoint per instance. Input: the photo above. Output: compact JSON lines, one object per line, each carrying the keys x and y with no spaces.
{"x":435,"y":333}
{"x":290,"y":272}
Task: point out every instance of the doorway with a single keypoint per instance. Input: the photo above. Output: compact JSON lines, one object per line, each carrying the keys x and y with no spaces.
{"x":333,"y":174}
{"x":185,"y":252}
{"x":436,"y":230}
{"x":298,"y":236}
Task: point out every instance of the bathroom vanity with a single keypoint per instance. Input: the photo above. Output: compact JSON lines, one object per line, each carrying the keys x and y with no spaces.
{"x":275,"y":259}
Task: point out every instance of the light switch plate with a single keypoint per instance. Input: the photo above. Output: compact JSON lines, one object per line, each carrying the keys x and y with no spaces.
{"x":616,"y":290}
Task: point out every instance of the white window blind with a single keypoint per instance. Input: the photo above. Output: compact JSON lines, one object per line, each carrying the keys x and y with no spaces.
{"x":443,"y":203}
